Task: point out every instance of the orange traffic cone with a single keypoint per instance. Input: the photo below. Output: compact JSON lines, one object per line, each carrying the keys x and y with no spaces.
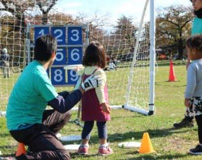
{"x":20,"y":149}
{"x":171,"y":73}
{"x":146,"y":146}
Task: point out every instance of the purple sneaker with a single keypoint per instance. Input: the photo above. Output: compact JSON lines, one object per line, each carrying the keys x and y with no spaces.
{"x":105,"y":150}
{"x":83,"y":149}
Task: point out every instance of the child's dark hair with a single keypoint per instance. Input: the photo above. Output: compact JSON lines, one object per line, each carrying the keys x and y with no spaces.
{"x":195,"y":42}
{"x":95,"y":55}
{"x":45,"y":46}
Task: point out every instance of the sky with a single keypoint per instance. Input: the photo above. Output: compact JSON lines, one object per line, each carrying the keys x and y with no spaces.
{"x":113,"y":8}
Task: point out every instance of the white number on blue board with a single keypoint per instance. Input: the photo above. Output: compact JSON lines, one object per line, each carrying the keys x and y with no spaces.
{"x":59,"y":34}
{"x":59,"y":55}
{"x":41,"y":33}
{"x":57,"y":75}
{"x":75,"y":54}
{"x":75,"y":34}
{"x":74,"y":76}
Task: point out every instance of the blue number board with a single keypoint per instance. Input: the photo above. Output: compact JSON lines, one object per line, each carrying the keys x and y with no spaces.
{"x":69,"y":51}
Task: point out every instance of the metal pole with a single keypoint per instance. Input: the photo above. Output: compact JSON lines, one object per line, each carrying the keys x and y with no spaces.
{"x":152,"y":58}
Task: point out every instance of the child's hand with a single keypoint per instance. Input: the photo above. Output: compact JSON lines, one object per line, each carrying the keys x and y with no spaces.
{"x":187,"y":102}
{"x":77,"y":68}
{"x":106,"y":108}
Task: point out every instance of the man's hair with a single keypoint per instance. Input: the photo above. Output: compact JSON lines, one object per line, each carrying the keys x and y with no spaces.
{"x":95,"y":55}
{"x":45,"y":46}
{"x":195,"y":42}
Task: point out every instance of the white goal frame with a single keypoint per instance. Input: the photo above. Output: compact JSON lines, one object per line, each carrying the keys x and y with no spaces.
{"x":152,"y":52}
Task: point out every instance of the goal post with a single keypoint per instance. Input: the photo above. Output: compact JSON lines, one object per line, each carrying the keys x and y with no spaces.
{"x":133,"y":96}
{"x":152,"y":57}
{"x":137,"y":45}
{"x":152,"y":53}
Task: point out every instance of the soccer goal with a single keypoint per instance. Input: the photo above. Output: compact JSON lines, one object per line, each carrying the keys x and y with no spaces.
{"x":130,"y":48}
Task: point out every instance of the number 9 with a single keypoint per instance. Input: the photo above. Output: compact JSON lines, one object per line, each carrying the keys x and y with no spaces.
{"x":74,"y":76}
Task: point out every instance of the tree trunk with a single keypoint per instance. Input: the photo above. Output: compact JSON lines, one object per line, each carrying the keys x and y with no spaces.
{"x":45,"y":18}
{"x":180,"y":48}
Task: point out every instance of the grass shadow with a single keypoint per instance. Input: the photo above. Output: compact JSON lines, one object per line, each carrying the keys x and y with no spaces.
{"x":76,"y":155}
{"x":118,"y":137}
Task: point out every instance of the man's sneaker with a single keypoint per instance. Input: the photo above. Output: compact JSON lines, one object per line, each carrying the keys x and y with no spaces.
{"x":105,"y":150}
{"x":186,"y":122}
{"x":83,"y":149}
{"x":196,"y":151}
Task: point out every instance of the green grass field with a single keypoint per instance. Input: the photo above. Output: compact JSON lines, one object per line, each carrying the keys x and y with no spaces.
{"x":127,"y":126}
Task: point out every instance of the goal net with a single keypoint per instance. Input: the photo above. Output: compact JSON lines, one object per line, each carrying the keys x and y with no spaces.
{"x":130,"y":51}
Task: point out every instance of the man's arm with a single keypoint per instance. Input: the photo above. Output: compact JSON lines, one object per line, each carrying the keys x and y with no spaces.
{"x":64,"y":104}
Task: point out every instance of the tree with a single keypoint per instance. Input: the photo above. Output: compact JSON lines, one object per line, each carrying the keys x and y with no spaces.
{"x":45,"y":7}
{"x":124,"y":33}
{"x":60,"y":19}
{"x":97,"y":30}
{"x":13,"y":22}
{"x":96,"y":24}
{"x":13,"y":25}
{"x":173,"y":27}
{"x":126,"y":29}
{"x":16,"y":9}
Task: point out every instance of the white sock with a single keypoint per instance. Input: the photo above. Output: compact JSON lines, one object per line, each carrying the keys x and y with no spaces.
{"x":104,"y":145}
{"x":84,"y":145}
